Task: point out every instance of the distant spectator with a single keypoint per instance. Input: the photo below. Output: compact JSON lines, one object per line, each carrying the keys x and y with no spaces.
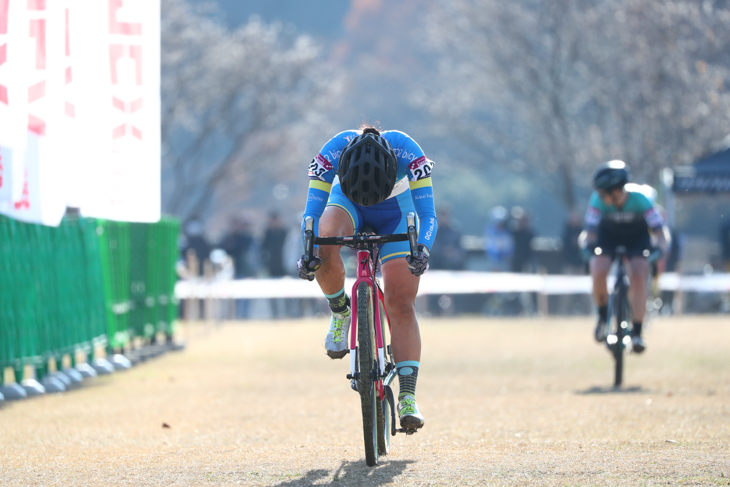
{"x":272,"y":246}
{"x":193,"y":238}
{"x":239,"y":244}
{"x":672,"y":265}
{"x":498,"y":242}
{"x":448,"y":253}
{"x":725,"y":244}
{"x":194,"y":251}
{"x":293,"y":248}
{"x":272,"y":256}
{"x":522,"y":235}
{"x":572,"y":260}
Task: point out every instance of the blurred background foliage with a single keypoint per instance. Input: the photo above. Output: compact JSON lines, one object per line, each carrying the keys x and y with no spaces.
{"x":517,"y":102}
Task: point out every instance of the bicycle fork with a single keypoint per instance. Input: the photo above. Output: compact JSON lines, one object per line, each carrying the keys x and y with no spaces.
{"x":365,"y":273}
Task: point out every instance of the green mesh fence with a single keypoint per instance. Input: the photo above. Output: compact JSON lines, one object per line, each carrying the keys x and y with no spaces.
{"x":138,"y":266}
{"x":85,"y":284}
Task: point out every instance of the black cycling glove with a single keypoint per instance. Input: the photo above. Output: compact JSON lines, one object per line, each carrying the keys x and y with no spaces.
{"x":418,"y":264}
{"x":655,"y":254}
{"x":305,"y":270}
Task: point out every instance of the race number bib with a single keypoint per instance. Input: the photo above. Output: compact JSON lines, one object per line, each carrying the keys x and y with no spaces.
{"x":318,"y":167}
{"x":420,"y":168}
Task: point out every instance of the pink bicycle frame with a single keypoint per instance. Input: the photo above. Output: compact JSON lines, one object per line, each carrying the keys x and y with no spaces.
{"x":366,"y":273}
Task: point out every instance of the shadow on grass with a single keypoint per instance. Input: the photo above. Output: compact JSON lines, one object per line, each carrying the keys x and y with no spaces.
{"x":352,"y":473}
{"x":613,"y":390}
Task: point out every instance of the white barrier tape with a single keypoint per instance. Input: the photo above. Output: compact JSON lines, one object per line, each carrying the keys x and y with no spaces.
{"x":440,"y":282}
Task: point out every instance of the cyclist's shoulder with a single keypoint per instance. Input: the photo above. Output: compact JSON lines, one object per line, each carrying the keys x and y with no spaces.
{"x":332,"y":149}
{"x":342,"y":138}
{"x":394,"y":134}
{"x":396,"y":138}
{"x":409,"y":153}
{"x":641,"y":197}
{"x":595,"y":201}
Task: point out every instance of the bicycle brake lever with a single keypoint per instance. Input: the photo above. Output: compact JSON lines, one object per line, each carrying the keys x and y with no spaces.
{"x":309,"y":237}
{"x":412,"y":233}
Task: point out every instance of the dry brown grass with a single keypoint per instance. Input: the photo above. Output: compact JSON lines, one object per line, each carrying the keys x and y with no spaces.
{"x":507,"y":402}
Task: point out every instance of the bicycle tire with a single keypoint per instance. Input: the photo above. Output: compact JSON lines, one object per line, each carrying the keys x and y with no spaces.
{"x":367,"y":362}
{"x":383,"y":420}
{"x":620,"y":301}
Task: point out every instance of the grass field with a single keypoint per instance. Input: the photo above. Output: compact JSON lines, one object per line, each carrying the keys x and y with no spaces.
{"x":507,"y":402}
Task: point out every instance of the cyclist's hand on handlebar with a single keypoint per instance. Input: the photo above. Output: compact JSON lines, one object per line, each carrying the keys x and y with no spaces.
{"x":418,"y":264}
{"x":655,"y":253}
{"x":306,"y":269}
{"x":587,"y":252}
{"x":657,"y":260}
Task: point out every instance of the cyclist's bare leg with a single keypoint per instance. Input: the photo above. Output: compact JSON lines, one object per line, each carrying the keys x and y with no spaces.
{"x":401,"y":288}
{"x":600,"y":266}
{"x":638,"y":272}
{"x":330,"y":276}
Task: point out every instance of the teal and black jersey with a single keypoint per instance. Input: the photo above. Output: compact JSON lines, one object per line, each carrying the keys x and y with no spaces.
{"x":636,"y":217}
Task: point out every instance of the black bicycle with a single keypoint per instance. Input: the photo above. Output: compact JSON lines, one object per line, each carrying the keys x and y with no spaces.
{"x":372,"y":368}
{"x":618,"y":323}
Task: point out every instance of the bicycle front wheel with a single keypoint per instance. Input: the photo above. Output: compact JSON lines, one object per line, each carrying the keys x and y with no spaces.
{"x":367,"y":363}
{"x":620,"y":304}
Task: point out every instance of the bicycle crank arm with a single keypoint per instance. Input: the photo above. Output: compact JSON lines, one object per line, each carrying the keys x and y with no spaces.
{"x":388,"y":392}
{"x":391,"y":400}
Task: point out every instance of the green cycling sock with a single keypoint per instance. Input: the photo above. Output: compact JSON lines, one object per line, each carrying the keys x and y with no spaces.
{"x":339,"y":302}
{"x":407,"y":377}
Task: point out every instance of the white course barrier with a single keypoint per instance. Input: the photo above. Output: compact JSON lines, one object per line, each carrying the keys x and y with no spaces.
{"x":439,"y":282}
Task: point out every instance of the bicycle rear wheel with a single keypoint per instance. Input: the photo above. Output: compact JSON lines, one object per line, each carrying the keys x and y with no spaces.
{"x":368,"y":373}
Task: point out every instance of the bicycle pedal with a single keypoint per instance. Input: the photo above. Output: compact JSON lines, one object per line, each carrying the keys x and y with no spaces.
{"x":407,"y":431}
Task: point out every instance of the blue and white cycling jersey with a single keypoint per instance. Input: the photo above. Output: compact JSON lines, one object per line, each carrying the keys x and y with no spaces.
{"x":413,"y":191}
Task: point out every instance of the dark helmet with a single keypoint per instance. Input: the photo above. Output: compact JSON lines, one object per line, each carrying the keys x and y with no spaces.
{"x":611,"y":175}
{"x":367,"y":169}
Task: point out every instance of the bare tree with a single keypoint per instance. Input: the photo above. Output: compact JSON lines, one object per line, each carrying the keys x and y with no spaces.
{"x":560,"y":86}
{"x":661,"y":82}
{"x":223,"y":94}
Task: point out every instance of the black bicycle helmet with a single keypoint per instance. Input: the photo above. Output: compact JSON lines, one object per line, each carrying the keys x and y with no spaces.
{"x":367,"y":169}
{"x":611,"y":175}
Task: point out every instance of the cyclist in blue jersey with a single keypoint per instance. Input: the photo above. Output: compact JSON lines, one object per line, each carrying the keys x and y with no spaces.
{"x":365,"y":177}
{"x":620,"y":215}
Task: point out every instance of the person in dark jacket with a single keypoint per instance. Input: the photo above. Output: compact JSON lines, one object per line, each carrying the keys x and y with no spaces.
{"x":272,"y":256}
{"x":272,"y":246}
{"x":239,"y":244}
